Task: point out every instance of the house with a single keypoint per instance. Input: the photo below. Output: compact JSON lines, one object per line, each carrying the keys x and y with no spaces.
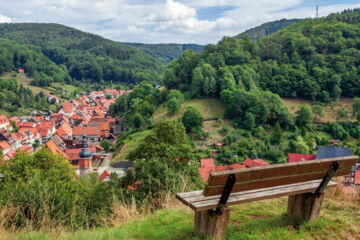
{"x":4,"y":122}
{"x":93,"y":133}
{"x":73,"y":155}
{"x":21,"y":70}
{"x":207,"y":166}
{"x":295,"y":157}
{"x":123,"y":164}
{"x":65,"y":131}
{"x":334,"y":141}
{"x":45,"y":134}
{"x":116,"y":130}
{"x":51,"y":145}
{"x":255,"y":163}
{"x":16,"y":120}
{"x":10,"y":154}
{"x":17,"y":140}
{"x":5,"y":146}
{"x":27,"y":148}
{"x":332,"y":152}
{"x":134,"y":186}
{"x":218,"y":145}
{"x":28,"y":125}
{"x":105,"y":176}
{"x":353,"y":179}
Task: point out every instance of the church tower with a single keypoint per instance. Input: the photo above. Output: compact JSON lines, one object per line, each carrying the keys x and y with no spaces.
{"x":85,"y":162}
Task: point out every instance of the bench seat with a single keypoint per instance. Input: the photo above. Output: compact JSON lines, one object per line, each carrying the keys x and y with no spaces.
{"x":198,"y":202}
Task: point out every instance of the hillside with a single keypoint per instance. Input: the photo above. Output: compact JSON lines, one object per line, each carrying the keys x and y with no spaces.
{"x":266,"y":29}
{"x":315,"y":59}
{"x":165,"y":52}
{"x":83,"y":56}
{"x":258,"y":220}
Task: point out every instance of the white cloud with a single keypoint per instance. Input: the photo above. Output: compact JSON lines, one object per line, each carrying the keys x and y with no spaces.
{"x":4,"y":19}
{"x":159,"y":20}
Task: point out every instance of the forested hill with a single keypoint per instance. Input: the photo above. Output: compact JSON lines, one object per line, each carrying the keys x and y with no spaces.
{"x":165,"y":52}
{"x":83,"y":56}
{"x":315,"y":59}
{"x":267,"y":28}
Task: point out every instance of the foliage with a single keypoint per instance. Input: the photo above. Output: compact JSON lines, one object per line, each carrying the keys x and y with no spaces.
{"x":266,"y":29}
{"x":52,"y":193}
{"x":105,"y":144}
{"x":192,"y":119}
{"x":75,"y":55}
{"x":318,"y":110}
{"x":173,"y":105}
{"x":304,"y":116}
{"x":313,"y":59}
{"x":356,"y":108}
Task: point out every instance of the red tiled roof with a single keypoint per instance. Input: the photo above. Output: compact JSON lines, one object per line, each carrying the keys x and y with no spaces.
{"x":357,"y":177}
{"x":207,"y":163}
{"x":295,"y":157}
{"x":236,"y":166}
{"x":16,"y":136}
{"x":255,"y":162}
{"x":3,"y":119}
{"x":54,"y":148}
{"x":44,"y":131}
{"x":104,"y":175}
{"x":221,"y":168}
{"x":104,"y":126}
{"x":27,"y":149}
{"x":4,"y":145}
{"x":90,"y":131}
{"x":64,"y":129}
{"x":28,"y":124}
{"x":10,"y":154}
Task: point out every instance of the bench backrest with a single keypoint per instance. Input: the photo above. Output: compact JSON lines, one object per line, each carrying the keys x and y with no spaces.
{"x":277,"y":175}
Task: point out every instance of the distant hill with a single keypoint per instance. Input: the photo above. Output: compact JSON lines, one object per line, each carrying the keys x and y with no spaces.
{"x":267,"y":28}
{"x":84,"y":56}
{"x":164,"y":52}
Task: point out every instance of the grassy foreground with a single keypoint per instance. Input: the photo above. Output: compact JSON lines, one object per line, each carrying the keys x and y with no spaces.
{"x":266,"y":219}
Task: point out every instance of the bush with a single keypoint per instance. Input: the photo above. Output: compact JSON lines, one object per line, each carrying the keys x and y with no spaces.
{"x":173,"y":105}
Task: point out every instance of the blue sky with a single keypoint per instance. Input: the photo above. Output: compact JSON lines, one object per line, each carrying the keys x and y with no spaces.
{"x":165,"y":21}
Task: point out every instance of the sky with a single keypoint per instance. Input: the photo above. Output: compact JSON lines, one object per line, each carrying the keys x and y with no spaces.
{"x":165,"y":21}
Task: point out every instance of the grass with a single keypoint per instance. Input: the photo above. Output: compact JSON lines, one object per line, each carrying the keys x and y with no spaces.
{"x":25,"y":81}
{"x":209,"y":108}
{"x":65,"y":87}
{"x":213,"y":127}
{"x":339,"y":219}
{"x":331,"y":111}
{"x":131,"y":143}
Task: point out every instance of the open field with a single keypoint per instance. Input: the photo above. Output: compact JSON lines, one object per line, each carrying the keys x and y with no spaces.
{"x":131,"y":143}
{"x":209,"y":108}
{"x":65,"y":87}
{"x":339,"y":219}
{"x":25,"y":81}
{"x":331,"y":111}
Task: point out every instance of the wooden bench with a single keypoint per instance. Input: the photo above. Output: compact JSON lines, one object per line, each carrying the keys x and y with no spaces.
{"x":303,"y":182}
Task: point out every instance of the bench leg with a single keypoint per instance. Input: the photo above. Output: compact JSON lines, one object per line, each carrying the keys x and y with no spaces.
{"x":214,"y":226}
{"x":304,"y":207}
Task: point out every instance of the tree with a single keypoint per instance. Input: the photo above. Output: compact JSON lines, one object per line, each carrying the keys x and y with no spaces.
{"x":138,"y":121}
{"x":304,"y":116}
{"x":173,"y":105}
{"x":36,"y":144}
{"x":356,"y":108}
{"x":318,"y":110}
{"x":277,"y":133}
{"x":105,"y":144}
{"x":192,"y":119}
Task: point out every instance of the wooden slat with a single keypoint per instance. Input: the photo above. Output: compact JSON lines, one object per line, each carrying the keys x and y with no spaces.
{"x":272,"y":182}
{"x":278,"y":170}
{"x":261,"y":194}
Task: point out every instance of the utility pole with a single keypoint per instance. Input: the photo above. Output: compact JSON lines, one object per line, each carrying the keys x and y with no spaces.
{"x":317,"y":11}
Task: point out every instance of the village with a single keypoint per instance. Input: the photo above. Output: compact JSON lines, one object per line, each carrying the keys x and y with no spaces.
{"x":75,"y":132}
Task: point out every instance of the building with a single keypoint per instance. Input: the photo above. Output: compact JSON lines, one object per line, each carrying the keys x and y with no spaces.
{"x":332,"y":152}
{"x":93,"y":133}
{"x":255,"y":163}
{"x":85,"y":156}
{"x":295,"y":157}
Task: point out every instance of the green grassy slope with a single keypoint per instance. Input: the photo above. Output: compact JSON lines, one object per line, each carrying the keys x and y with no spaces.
{"x":209,"y":108}
{"x":257,"y":220}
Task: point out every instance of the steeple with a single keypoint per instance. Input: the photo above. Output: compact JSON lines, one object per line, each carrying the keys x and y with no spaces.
{"x":84,"y":153}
